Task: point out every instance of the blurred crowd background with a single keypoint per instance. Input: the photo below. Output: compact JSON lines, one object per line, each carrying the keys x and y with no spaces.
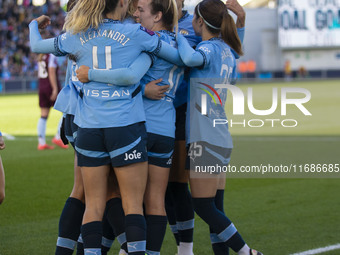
{"x":16,"y":60}
{"x":297,"y":39}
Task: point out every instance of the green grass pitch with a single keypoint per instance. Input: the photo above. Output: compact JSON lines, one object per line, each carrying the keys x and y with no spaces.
{"x":278,"y":216}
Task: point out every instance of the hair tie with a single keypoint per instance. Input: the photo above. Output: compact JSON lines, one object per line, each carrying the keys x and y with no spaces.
{"x":206,"y":22}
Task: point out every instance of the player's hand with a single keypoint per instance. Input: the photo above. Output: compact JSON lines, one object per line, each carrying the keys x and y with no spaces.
{"x":82,"y":74}
{"x":155,"y":92}
{"x":43,"y":21}
{"x":236,"y":8}
{"x":2,"y":143}
{"x":54,"y":95}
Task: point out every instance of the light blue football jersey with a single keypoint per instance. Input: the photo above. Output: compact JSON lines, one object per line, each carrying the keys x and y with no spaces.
{"x":186,"y":29}
{"x":219,"y":68}
{"x":67,"y":98}
{"x":76,"y":88}
{"x":62,"y":102}
{"x":113,"y":45}
{"x":160,"y":114}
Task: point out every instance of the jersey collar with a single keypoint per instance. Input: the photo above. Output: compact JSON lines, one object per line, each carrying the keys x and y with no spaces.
{"x":106,"y":20}
{"x":166,"y":32}
{"x":215,"y":39}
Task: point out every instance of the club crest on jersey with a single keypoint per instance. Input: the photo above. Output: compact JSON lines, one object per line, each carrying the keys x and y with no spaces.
{"x":184,"y":32}
{"x":147,"y":30}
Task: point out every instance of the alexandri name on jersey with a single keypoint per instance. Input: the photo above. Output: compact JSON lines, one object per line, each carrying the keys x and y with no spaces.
{"x":108,"y":33}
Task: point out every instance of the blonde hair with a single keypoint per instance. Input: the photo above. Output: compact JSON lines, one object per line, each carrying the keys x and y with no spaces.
{"x":131,"y":9}
{"x":169,"y":12}
{"x":175,"y":19}
{"x":85,"y":14}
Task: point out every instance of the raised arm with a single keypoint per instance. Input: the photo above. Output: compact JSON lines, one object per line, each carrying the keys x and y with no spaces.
{"x":189,"y":56}
{"x":120,"y":77}
{"x":39,"y":45}
{"x":236,"y":8}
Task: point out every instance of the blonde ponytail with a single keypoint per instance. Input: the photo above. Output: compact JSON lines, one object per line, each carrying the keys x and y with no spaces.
{"x":131,"y":9}
{"x":175,"y":18}
{"x":169,"y":12}
{"x":84,"y":15}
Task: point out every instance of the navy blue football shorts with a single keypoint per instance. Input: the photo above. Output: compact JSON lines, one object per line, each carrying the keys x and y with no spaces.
{"x":202,"y":154}
{"x":70,"y":129}
{"x":160,"y":150}
{"x":181,"y":112}
{"x":118,"y":146}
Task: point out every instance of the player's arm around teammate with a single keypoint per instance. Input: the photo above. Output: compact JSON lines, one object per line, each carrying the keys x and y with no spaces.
{"x":219,"y":38}
{"x":122,"y":76}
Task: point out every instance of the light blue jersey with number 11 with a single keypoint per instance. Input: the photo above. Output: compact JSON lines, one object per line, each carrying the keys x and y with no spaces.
{"x":113,"y":45}
{"x":160,"y":114}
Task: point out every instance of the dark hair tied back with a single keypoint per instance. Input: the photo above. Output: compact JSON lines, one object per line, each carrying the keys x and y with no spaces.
{"x":218,"y":21}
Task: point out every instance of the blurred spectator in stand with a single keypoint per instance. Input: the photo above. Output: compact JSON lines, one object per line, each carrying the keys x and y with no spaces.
{"x":15,"y":56}
{"x":288,"y":71}
{"x":242,"y":69}
{"x":251,"y":68}
{"x":302,"y":73}
{"x":247,"y":69}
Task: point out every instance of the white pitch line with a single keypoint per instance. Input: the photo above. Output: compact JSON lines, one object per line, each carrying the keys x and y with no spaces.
{"x":320,"y":250}
{"x":20,"y":138}
{"x":8,"y":136}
